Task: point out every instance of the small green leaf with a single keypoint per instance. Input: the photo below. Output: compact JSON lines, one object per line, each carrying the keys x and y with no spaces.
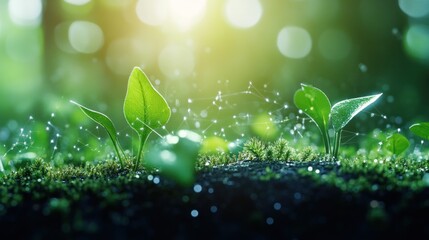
{"x":313,"y":102}
{"x":144,"y":108}
{"x":397,"y":143}
{"x":175,"y":156}
{"x":342,"y":112}
{"x":421,"y":130}
{"x":104,"y":121}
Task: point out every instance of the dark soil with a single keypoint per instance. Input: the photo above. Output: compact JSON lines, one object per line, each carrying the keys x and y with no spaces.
{"x":240,"y":201}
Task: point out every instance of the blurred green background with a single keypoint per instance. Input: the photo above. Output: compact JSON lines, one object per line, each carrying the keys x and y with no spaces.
{"x":212,"y":60}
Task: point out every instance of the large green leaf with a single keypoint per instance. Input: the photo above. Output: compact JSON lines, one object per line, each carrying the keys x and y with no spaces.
{"x":342,"y":112}
{"x":104,"y":121}
{"x":313,"y":102}
{"x":397,"y":143}
{"x":144,"y":108}
{"x":421,"y":130}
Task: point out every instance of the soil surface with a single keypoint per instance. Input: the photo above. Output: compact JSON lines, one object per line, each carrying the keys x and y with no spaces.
{"x":244,"y":200}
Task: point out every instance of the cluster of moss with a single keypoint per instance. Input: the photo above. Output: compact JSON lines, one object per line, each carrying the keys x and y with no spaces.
{"x":58,"y":185}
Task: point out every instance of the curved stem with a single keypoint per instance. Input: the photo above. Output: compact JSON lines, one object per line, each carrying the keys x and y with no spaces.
{"x":143,"y":137}
{"x":120,"y":153}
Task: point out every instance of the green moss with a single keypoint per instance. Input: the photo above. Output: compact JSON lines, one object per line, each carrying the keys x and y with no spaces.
{"x":59,"y":187}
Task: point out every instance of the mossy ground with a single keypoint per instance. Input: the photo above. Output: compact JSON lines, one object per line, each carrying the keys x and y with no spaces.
{"x":266,"y":190}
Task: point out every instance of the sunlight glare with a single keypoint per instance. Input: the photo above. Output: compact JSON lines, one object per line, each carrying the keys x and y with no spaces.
{"x":183,"y":14}
{"x":186,"y":13}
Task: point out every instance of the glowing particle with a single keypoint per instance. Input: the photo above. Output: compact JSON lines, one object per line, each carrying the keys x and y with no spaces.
{"x":194,"y":213}
{"x":213,"y":209}
{"x":198,"y":188}
{"x":363,"y":68}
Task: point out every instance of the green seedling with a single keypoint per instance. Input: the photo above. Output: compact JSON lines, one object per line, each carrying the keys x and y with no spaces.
{"x":104,"y":121}
{"x":175,"y":156}
{"x":421,"y":130}
{"x":144,"y":109}
{"x":316,"y":105}
{"x":397,"y":143}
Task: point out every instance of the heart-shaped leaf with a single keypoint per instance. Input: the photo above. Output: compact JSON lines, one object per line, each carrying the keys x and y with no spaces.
{"x":313,"y":102}
{"x":175,"y":156}
{"x":397,"y":143}
{"x":144,"y":108}
{"x":421,"y":130}
{"x":342,"y":112}
{"x":104,"y":121}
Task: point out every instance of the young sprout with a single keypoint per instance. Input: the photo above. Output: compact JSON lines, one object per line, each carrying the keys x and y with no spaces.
{"x":397,"y":143}
{"x":315,"y":104}
{"x":144,"y":109}
{"x":421,"y":130}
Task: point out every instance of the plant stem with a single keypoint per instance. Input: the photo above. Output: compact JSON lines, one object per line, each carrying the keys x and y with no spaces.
{"x":120,"y":153}
{"x":326,"y":141}
{"x":337,"y":142}
{"x":143,"y":137}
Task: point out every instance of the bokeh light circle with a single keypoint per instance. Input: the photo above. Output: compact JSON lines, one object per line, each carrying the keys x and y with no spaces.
{"x":85,"y":37}
{"x":417,"y":42}
{"x":176,"y":61}
{"x":243,"y":13}
{"x":334,"y":44}
{"x":185,"y":13}
{"x":294,"y":42}
{"x":152,"y":12}
{"x":25,"y":12}
{"x":414,"y":8}
{"x":123,"y":54}
{"x":77,"y":2}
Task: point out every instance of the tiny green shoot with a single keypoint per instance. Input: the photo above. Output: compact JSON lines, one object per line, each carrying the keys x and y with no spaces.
{"x":397,"y":143}
{"x":315,"y":104}
{"x":144,"y":109}
{"x":421,"y":130}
